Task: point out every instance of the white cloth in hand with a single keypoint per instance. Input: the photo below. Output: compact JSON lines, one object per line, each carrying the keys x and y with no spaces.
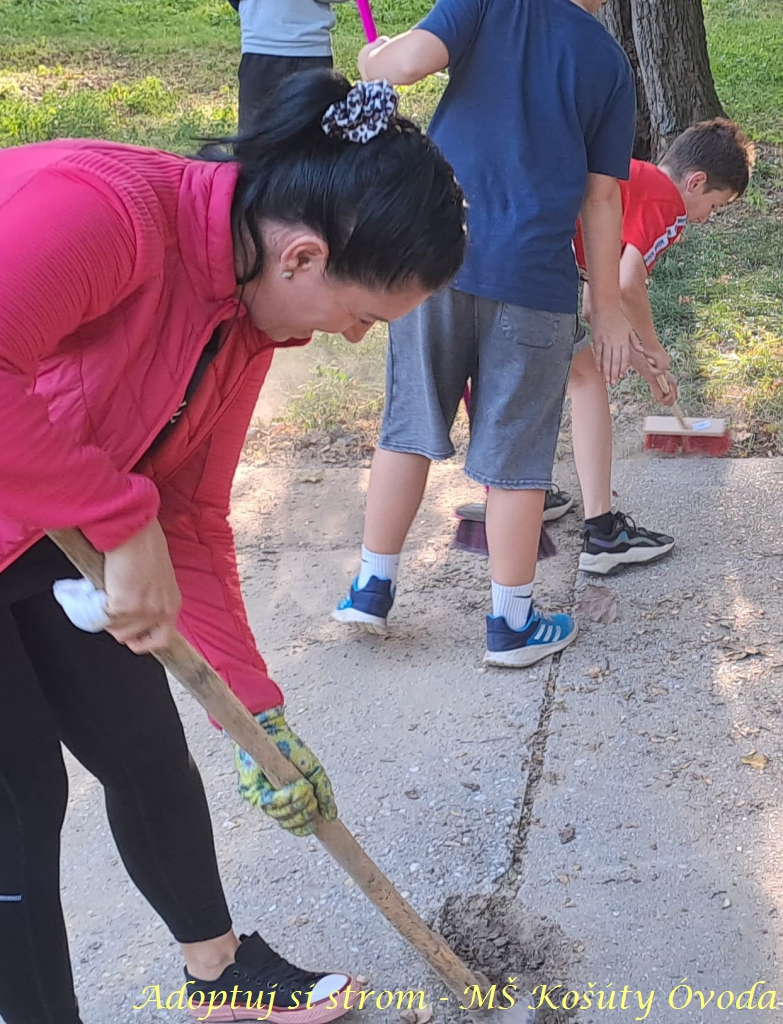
{"x":83,"y":603}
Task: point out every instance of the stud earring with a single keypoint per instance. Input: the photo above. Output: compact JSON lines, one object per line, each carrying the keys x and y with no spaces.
{"x":287,"y":274}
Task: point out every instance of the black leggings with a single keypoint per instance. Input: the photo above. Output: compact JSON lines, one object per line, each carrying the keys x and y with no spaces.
{"x":114,"y":712}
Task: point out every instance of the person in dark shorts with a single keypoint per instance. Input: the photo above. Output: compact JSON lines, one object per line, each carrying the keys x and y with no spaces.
{"x":279,"y":38}
{"x":538,"y":122}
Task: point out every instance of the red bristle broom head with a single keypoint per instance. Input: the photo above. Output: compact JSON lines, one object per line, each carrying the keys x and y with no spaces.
{"x":688,"y":444}
{"x":674,"y":435}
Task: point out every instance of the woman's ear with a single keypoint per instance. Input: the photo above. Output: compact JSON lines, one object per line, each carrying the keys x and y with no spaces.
{"x":304,"y":251}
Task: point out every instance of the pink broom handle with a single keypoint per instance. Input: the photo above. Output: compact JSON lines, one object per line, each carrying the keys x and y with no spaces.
{"x":368,"y":22}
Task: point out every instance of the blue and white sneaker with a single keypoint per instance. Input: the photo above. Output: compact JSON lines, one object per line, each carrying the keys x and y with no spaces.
{"x":517,"y":648}
{"x":366,"y":608}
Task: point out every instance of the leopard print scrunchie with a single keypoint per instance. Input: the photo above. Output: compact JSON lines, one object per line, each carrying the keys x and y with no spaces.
{"x":365,"y":113}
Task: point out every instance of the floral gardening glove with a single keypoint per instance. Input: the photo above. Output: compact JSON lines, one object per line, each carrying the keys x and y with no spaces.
{"x":294,"y":806}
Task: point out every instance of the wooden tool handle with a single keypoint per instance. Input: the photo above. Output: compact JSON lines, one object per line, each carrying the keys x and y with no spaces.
{"x":203,"y":683}
{"x":663,"y":383}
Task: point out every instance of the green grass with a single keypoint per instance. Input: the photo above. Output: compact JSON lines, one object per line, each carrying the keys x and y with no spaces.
{"x":158,"y":72}
{"x":332,"y":398}
{"x":63,"y":59}
{"x":746,"y":51}
{"x":163,"y":73}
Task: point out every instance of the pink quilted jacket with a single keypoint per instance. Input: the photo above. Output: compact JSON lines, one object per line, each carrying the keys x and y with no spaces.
{"x":115,"y":269}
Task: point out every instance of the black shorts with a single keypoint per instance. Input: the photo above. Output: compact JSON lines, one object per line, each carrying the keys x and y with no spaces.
{"x":260,"y":72}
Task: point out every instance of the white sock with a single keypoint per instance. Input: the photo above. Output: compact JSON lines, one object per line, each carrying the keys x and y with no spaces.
{"x":384,"y":567}
{"x":512,"y":603}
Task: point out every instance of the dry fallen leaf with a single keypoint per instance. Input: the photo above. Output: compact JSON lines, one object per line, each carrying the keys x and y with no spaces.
{"x":599,"y":605}
{"x":567,"y":834}
{"x":741,"y":653}
{"x":311,"y":478}
{"x":423,"y":1016}
{"x":757,"y":761}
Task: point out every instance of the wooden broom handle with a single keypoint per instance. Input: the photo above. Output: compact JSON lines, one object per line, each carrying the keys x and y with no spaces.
{"x":663,"y":383}
{"x":203,"y":683}
{"x":679,"y":415}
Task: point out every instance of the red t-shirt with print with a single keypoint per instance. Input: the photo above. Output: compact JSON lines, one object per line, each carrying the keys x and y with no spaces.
{"x":654,"y":214}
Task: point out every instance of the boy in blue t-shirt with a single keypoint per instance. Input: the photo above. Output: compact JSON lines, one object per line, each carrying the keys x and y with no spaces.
{"x":538,"y":121}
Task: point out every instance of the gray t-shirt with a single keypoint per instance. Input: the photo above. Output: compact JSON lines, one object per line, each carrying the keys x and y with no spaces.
{"x":287,"y":28}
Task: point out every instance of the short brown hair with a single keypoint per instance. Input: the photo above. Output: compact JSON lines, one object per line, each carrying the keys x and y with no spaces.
{"x":720,"y":149}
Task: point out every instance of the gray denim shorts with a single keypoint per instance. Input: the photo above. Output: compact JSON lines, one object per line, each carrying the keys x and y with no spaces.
{"x":518,"y":361}
{"x":582,"y":339}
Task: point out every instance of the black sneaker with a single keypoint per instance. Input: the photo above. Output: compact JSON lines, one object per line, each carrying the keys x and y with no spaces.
{"x":261,"y":979}
{"x":626,"y":544}
{"x":556,"y":504}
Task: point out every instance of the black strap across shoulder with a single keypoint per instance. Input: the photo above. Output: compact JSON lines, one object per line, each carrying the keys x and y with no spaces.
{"x":210,"y":351}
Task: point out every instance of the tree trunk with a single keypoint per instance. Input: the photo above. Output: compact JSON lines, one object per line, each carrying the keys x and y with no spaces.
{"x":671,"y":41}
{"x":617,"y":18}
{"x":666,"y":43}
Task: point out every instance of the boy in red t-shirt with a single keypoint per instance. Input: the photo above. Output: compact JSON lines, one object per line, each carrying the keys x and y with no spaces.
{"x":707,"y":167}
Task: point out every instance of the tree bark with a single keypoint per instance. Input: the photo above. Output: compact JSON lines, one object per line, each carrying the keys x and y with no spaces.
{"x":671,"y":41}
{"x":617,"y":17}
{"x":666,"y":43}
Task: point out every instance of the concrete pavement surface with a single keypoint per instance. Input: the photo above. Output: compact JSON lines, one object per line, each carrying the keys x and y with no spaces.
{"x":598,"y":806}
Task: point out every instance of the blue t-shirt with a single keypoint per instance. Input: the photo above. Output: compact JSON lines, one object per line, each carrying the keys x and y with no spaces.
{"x":539,"y":95}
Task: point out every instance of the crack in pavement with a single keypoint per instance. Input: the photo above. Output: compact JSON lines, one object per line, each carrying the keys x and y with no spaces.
{"x":511,"y":882}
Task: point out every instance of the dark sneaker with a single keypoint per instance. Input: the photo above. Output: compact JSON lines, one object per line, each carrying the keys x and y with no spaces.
{"x":474,"y":512}
{"x":626,"y":544}
{"x":366,"y":608}
{"x":261,"y":985}
{"x":541,"y":636}
{"x":556,"y":504}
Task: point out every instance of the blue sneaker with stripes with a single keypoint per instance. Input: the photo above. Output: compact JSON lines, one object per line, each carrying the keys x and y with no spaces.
{"x":541,"y":636}
{"x":366,"y":608}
